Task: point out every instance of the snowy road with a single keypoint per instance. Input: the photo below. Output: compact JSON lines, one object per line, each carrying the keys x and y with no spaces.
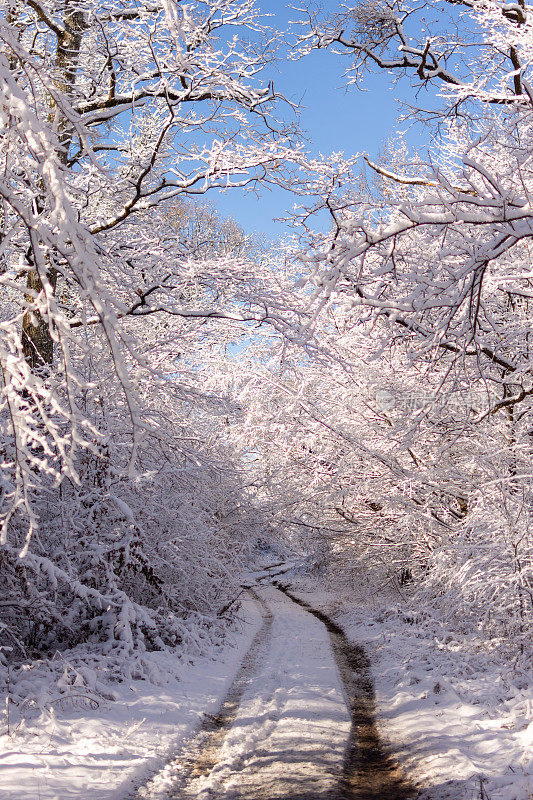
{"x":296,"y":723}
{"x":295,"y":720}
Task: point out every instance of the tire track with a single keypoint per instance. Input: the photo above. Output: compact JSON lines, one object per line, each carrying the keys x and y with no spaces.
{"x":369,"y":772}
{"x":214,"y":727}
{"x":201,"y":755}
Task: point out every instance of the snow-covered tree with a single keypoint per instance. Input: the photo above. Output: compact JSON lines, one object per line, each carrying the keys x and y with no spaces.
{"x":113,"y":118}
{"x":451,"y":237}
{"x":436,"y":264}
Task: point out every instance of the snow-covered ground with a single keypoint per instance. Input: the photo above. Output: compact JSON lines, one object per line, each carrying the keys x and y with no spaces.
{"x":459,"y":719}
{"x":289,"y":733}
{"x":74,"y":752}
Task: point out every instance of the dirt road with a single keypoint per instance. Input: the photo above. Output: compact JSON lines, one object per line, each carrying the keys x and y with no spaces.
{"x":297,"y":723}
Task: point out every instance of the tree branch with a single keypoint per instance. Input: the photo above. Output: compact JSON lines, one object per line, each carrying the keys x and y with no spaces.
{"x":43,"y":15}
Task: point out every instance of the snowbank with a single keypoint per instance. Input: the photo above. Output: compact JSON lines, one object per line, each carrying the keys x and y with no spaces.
{"x":84,"y":745}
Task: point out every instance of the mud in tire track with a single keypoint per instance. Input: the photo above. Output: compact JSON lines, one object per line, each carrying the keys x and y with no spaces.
{"x":200,"y":755}
{"x":369,"y":771}
{"x":214,"y":727}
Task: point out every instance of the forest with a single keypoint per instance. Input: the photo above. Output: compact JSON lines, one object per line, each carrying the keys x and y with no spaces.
{"x":182,"y":401}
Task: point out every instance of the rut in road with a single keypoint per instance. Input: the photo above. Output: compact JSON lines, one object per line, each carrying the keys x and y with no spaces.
{"x":214,"y":728}
{"x":284,"y":731}
{"x":201,"y":754}
{"x":369,"y":771}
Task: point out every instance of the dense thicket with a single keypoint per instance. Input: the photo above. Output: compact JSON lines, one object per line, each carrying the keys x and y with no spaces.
{"x":409,"y":452}
{"x":122,"y":515}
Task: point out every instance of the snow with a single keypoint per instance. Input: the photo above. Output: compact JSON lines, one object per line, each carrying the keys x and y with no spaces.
{"x":457,"y":717}
{"x":72,"y":751}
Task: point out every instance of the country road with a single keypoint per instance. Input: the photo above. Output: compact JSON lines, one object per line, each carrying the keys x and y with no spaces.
{"x":297,"y":721}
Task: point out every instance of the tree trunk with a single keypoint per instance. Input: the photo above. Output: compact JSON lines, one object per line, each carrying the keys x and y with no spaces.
{"x":37,"y":341}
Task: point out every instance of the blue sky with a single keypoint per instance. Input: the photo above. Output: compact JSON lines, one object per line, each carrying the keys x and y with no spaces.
{"x":334,"y":119}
